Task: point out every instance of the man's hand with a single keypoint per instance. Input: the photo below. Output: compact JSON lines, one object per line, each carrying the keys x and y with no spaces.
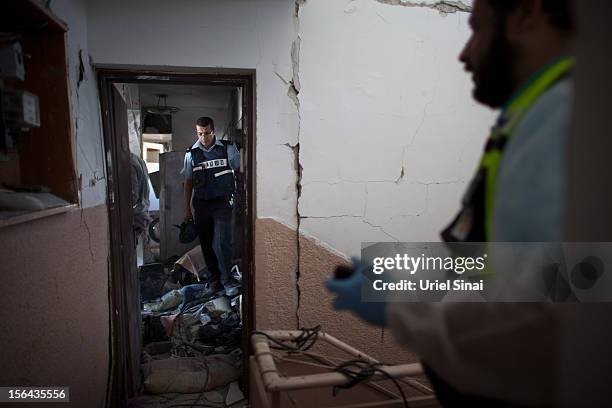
{"x":188,"y":215}
{"x":349,"y":296}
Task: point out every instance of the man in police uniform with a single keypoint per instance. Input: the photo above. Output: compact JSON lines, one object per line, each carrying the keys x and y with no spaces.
{"x":500,"y":354}
{"x":209,"y":186}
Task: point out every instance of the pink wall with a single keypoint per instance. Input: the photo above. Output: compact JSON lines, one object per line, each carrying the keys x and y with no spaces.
{"x":54,"y":304}
{"x":276,"y":293}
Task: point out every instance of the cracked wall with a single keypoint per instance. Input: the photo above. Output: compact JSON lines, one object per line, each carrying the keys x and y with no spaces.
{"x":389,"y":132}
{"x":239,"y":34}
{"x":55,"y":312}
{"x":242,"y":34}
{"x":442,"y":6}
{"x":89,"y":144}
{"x":366,"y":130}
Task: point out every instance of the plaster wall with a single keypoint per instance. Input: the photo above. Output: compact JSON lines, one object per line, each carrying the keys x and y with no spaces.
{"x":54,"y":305}
{"x":206,"y":33}
{"x":335,"y":77}
{"x":389,"y":133}
{"x":366,"y":129}
{"x":89,"y":142}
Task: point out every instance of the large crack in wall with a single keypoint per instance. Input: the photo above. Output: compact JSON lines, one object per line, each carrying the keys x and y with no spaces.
{"x":293,"y":93}
{"x":443,"y":6}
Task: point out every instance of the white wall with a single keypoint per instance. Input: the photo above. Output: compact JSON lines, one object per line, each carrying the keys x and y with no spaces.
{"x":85,"y":105}
{"x":381,"y":94}
{"x":208,"y":33}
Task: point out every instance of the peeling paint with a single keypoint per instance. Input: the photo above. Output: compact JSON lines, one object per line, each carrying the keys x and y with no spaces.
{"x":295,"y":61}
{"x":443,"y":6}
{"x":298,"y":189}
{"x":320,"y":217}
{"x":81,"y":69}
{"x":292,"y":93}
{"x":401,"y":176}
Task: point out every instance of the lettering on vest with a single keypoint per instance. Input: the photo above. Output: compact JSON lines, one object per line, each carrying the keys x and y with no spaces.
{"x":211,"y":164}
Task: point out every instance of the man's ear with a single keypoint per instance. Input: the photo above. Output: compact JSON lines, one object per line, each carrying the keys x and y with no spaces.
{"x":524,"y":19}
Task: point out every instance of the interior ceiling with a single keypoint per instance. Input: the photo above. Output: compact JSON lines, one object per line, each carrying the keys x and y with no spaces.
{"x":204,"y":92}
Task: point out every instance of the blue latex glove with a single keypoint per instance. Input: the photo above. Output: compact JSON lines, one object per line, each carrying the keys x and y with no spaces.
{"x":349,"y":296}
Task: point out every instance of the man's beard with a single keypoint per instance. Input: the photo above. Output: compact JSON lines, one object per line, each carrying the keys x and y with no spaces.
{"x":495,"y":79}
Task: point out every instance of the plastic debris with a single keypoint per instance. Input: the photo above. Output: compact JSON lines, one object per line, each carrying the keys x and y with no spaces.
{"x":190,"y":374}
{"x":233,"y":394}
{"x":167,"y":302}
{"x":197,"y":335}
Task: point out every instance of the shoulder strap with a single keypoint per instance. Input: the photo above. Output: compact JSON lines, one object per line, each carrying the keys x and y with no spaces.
{"x":196,"y":155}
{"x":227,"y":143}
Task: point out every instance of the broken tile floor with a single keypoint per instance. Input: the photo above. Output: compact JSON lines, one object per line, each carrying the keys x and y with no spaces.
{"x":191,"y":339}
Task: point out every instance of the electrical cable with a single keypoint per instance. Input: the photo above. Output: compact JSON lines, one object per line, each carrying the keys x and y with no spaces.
{"x":365,"y":371}
{"x":356,"y":370}
{"x":306,"y":339}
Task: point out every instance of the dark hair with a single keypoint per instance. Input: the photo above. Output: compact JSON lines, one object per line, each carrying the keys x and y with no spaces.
{"x":560,"y":11}
{"x":205,"y":121}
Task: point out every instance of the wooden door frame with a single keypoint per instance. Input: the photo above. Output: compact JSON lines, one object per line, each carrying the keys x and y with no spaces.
{"x":119,"y":385}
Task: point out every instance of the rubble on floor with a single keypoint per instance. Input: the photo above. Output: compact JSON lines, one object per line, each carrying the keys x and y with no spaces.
{"x":234,"y":394}
{"x":190,"y":374}
{"x":192,"y":338}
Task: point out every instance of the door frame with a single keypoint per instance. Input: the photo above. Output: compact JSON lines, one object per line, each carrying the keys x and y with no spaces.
{"x":121,"y":384}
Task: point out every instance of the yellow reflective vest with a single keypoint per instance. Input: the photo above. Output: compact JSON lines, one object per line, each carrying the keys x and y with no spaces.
{"x":474,"y":221}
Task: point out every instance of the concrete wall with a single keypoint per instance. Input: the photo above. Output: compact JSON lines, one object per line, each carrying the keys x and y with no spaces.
{"x":54,"y":305}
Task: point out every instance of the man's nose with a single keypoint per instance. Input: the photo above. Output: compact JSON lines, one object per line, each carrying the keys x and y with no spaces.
{"x":463,"y":55}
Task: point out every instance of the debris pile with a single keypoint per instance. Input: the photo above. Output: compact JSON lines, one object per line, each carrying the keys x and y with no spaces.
{"x":192,"y":334}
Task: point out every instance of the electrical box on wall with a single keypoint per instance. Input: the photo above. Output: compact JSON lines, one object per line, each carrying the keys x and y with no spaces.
{"x":11,"y":61}
{"x":20,"y":109}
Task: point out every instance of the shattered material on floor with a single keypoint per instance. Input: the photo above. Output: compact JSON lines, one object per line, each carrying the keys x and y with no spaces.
{"x":192,"y":335}
{"x":215,"y":398}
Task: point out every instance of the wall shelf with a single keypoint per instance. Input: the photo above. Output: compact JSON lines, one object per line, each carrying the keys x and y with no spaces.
{"x":33,"y":215}
{"x":44,"y":155}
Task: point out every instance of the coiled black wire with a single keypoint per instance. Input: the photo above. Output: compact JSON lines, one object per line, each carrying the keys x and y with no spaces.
{"x":357,"y":371}
{"x":306,"y":339}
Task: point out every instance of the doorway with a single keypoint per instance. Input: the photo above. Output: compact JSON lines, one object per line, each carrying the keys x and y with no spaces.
{"x":151,"y":127}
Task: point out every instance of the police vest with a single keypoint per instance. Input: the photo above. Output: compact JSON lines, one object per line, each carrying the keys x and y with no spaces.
{"x":474,"y":221}
{"x":212,"y":175}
